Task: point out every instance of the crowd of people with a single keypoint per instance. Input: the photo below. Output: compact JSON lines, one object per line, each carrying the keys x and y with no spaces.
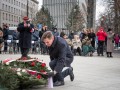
{"x":83,"y":44}
{"x":61,"y":47}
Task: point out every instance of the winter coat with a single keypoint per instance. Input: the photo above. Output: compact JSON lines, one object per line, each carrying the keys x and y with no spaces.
{"x":110,"y":45}
{"x":5,"y":33}
{"x":1,"y":36}
{"x":60,"y":51}
{"x":15,"y":35}
{"x":117,"y":38}
{"x":35,"y":35}
{"x":76,"y":43}
{"x":25,"y":35}
{"x":42,"y":32}
{"x":101,"y":35}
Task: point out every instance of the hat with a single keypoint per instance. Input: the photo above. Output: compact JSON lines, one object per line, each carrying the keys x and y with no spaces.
{"x":25,"y":18}
{"x":109,"y":29}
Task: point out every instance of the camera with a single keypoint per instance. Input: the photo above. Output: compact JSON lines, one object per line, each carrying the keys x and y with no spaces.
{"x":28,"y":22}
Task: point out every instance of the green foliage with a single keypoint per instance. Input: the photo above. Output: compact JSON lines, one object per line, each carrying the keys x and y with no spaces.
{"x":14,"y":75}
{"x":75,"y":21}
{"x":8,"y":78}
{"x":43,"y":17}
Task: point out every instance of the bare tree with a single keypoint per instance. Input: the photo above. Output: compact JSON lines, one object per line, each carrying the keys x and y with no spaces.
{"x":112,"y":15}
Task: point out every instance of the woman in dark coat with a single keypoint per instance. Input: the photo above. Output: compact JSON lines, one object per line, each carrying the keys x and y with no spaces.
{"x":25,"y":32}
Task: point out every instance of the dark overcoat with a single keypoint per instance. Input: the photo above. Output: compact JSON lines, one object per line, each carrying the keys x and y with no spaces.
{"x":25,"y":35}
{"x":60,"y":51}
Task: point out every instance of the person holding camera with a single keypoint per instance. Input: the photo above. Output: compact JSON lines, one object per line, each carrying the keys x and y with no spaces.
{"x":25,"y":31}
{"x":1,"y":39}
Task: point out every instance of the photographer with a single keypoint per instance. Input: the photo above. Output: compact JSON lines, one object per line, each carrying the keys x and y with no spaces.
{"x":1,"y":39}
{"x":25,"y":29}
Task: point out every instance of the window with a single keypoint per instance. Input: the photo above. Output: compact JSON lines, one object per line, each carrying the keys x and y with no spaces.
{"x":19,"y":4}
{"x":9,"y":9}
{"x":19,"y":19}
{"x":14,"y":2}
{"x":12,"y":9}
{"x":9,"y":17}
{"x":6,"y":8}
{"x":12,"y":17}
{"x":3,"y":6}
{"x":3,"y":16}
{"x":6,"y":16}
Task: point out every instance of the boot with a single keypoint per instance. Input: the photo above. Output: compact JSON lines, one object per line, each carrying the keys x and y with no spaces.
{"x":111,"y":54}
{"x":107,"y":54}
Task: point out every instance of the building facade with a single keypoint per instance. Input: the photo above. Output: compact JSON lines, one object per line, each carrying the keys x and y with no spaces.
{"x":12,"y":11}
{"x":60,"y":10}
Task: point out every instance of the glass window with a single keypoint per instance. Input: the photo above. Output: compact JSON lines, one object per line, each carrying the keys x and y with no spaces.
{"x":6,"y":8}
{"x":6,"y":16}
{"x":12,"y":17}
{"x":3,"y":6}
{"x":14,"y":10}
{"x":9,"y":9}
{"x":14,"y":2}
{"x":3,"y":16}
{"x":9,"y":17}
{"x":19,"y":4}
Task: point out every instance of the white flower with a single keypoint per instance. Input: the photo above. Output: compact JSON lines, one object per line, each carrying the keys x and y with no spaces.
{"x":15,"y":65}
{"x":7,"y":63}
{"x":19,"y":69}
{"x":23,"y":70}
{"x":19,"y":74}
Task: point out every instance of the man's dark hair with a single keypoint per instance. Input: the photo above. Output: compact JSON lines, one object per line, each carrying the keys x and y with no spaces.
{"x":47,"y":34}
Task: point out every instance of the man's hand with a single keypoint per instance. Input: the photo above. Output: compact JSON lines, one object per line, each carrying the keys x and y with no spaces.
{"x":51,"y":74}
{"x":25,"y":25}
{"x":28,"y":25}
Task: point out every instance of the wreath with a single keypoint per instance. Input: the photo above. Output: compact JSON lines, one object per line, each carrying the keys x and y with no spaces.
{"x":19,"y":74}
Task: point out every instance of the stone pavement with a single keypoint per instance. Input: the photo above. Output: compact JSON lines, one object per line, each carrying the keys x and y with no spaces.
{"x":91,"y":73}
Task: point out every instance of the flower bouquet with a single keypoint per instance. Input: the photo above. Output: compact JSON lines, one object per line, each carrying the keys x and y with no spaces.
{"x":19,"y":74}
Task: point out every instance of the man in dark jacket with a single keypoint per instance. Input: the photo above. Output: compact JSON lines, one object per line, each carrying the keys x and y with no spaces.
{"x":44,"y":49}
{"x":25,"y":32}
{"x":60,"y":55}
{"x":5,"y":36}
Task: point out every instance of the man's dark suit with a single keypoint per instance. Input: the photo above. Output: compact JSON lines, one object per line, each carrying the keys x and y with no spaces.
{"x":61,"y":56}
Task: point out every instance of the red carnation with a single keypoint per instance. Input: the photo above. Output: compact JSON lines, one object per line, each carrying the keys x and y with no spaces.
{"x":33,"y":64}
{"x":43,"y":64}
{"x":42,"y":70}
{"x":39,"y":76}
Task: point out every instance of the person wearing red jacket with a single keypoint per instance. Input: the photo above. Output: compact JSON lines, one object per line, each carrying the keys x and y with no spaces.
{"x":101,"y":34}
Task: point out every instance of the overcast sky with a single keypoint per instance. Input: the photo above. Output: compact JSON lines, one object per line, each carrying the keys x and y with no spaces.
{"x":40,"y":3}
{"x":100,"y":8}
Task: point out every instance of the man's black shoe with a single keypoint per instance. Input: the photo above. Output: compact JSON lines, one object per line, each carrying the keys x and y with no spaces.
{"x":58,"y":83}
{"x":71,"y":74}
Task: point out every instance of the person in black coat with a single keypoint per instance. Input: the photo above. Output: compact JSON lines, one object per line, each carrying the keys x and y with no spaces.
{"x":25,"y":31}
{"x":60,"y":55}
{"x":44,"y":49}
{"x":92,"y":37}
{"x":5,"y":36}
